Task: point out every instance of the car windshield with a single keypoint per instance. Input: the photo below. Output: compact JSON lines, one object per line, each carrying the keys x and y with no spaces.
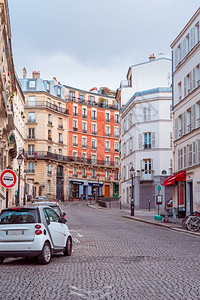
{"x":18,"y":216}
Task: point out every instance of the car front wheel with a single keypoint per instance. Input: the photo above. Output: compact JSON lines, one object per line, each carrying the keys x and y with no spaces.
{"x":45,"y":256}
{"x":1,"y":260}
{"x":68,"y":248}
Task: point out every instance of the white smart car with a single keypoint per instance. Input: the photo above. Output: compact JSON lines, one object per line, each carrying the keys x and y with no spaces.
{"x":33,"y":231}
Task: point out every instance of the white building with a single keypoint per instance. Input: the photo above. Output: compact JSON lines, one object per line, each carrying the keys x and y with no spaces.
{"x":186,"y":106}
{"x":146,"y":133}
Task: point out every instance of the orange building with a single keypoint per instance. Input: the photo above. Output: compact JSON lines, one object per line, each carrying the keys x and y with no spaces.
{"x":93,"y":143}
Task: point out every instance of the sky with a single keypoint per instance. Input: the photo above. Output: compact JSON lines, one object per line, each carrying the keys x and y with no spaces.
{"x":92,"y":43}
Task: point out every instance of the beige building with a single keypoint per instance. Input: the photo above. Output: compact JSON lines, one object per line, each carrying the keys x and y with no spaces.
{"x":186,"y":105}
{"x":46,"y":136}
{"x":7,"y":89}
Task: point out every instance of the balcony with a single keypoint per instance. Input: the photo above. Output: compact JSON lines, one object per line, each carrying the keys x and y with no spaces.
{"x":116,"y":150}
{"x":116,"y":178}
{"x":116,"y":121}
{"x":116,"y":135}
{"x":107,"y":134}
{"x":84,"y":116}
{"x":49,"y":172}
{"x":46,"y":104}
{"x":189,"y":127}
{"x":147,"y":175}
{"x":94,"y":176}
{"x":147,"y":146}
{"x":107,"y":177}
{"x":31,"y":137}
{"x":93,"y":161}
{"x":75,"y":114}
{"x":107,"y":149}
{"x":94,"y":148}
{"x":116,"y":163}
{"x":60,"y":126}
{"x":107,"y":120}
{"x":94,"y":118}
{"x":84,"y":130}
{"x":94,"y":132}
{"x":92,"y":103}
{"x":84,"y":176}
{"x":60,"y":142}
{"x":84,"y":146}
{"x":31,"y":121}
{"x":49,"y":138}
{"x":75,"y":175}
{"x":75,"y":144}
{"x":75,"y":129}
{"x":50,"y":123}
{"x":30,"y":171}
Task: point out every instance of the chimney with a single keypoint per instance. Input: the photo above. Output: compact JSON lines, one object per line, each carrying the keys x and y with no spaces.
{"x":24,"y":72}
{"x":36,"y":74}
{"x":152,"y":57}
{"x":54,"y":81}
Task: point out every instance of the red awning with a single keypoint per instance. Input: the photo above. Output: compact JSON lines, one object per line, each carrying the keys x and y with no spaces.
{"x":176,"y":177}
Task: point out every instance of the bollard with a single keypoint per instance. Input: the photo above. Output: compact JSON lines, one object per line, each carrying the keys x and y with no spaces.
{"x":132,"y":207}
{"x":149,"y":204}
{"x":174,"y":216}
{"x":166,"y":219}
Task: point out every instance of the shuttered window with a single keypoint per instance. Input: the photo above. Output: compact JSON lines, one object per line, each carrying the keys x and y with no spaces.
{"x":185,"y":86}
{"x":194,"y":153}
{"x":176,"y":128}
{"x":185,"y":157}
{"x":153,"y":140}
{"x":140,"y":140}
{"x":194,"y":78}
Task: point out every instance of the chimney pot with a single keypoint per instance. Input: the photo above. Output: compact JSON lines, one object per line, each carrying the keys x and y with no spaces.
{"x":36,"y":75}
{"x":24,"y":72}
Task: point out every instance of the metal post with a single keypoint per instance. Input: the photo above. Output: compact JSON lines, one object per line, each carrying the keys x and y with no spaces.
{"x":132,"y":200}
{"x":110,"y":204}
{"x":18,"y":193}
{"x":24,"y":200}
{"x":7,"y":198}
{"x":149,"y":204}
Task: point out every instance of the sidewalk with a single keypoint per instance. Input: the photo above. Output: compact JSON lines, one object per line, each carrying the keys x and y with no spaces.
{"x":146,"y":216}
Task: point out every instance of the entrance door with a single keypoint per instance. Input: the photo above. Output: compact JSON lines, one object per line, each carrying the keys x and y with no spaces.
{"x":107,"y":191}
{"x":191,"y":196}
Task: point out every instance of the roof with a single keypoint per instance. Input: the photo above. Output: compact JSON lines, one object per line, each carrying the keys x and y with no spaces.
{"x":151,"y":91}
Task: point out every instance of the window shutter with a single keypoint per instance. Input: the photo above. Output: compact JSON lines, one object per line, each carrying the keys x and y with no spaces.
{"x":140,"y":140}
{"x":149,"y":113}
{"x":153,"y":142}
{"x":198,"y":155}
{"x":176,"y":57}
{"x":193,"y":117}
{"x":185,"y":87}
{"x":185,"y":157}
{"x":184,"y":47}
{"x":190,"y":80}
{"x":194,"y":153}
{"x":145,"y":113}
{"x":194,"y":78}
{"x":176,"y":128}
{"x":141,"y":164}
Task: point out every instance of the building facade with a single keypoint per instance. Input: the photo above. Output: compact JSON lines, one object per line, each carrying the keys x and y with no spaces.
{"x":7,"y":90}
{"x":186,"y":116}
{"x":146,"y":134}
{"x":93,"y":143}
{"x":46,"y":137}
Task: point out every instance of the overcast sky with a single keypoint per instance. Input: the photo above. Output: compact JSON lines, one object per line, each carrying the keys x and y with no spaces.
{"x":91,"y":43}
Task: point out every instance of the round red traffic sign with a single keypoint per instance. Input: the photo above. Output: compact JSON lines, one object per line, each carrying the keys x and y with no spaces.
{"x":8,"y":178}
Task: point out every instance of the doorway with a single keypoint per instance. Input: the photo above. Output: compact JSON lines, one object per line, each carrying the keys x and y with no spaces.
{"x":107,"y":190}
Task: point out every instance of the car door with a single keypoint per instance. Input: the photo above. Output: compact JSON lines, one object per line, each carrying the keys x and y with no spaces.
{"x":57,"y":230}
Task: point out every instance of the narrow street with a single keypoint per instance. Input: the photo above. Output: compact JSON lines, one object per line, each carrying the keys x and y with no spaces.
{"x":113,"y":258}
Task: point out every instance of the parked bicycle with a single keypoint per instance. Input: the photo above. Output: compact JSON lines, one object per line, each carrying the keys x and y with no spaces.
{"x":192,"y":222}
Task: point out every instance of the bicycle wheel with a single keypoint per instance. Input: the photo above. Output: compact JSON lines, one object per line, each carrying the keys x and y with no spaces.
{"x":192,"y":224}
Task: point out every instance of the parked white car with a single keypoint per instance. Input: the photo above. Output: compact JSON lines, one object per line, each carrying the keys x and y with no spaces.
{"x":33,"y":231}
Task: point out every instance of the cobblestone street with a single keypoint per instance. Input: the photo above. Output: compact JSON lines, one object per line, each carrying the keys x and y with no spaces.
{"x":113,"y":258}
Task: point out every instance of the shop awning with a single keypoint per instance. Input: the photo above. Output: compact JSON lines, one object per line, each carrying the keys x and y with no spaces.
{"x":174,"y":178}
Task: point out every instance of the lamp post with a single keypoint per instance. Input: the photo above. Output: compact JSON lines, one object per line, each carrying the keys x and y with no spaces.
{"x":19,"y":160}
{"x":132,"y":200}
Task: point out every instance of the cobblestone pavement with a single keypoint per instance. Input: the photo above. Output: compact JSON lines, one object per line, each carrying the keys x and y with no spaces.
{"x":113,"y":258}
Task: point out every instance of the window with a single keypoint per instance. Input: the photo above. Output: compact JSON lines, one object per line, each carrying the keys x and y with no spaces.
{"x":60,"y":138}
{"x":94,"y":129}
{"x":60,"y":123}
{"x":31,"y":101}
{"x":31,"y":167}
{"x":71,"y":96}
{"x":93,"y":173}
{"x":147,"y":140}
{"x":49,"y":169}
{"x":94,"y":115}
{"x":31,"y":117}
{"x":116,"y":132}
{"x":74,"y":171}
{"x":49,"y":149}
{"x":189,"y":118}
{"x":130,"y":145}
{"x":107,"y":117}
{"x":59,"y":107}
{"x":179,"y":91}
{"x":75,"y":141}
{"x":93,"y":159}
{"x":107,"y":160}
{"x":84,"y":112}
{"x":180,"y":159}
{"x":84,"y":172}
{"x":32,"y":84}
{"x":31,"y":133}
{"x":49,"y":135}
{"x":84,"y":142}
{"x":94,"y":144}
{"x":147,"y":165}
{"x":170,"y":139}
{"x":116,"y":161}
{"x":130,"y":120}
{"x":84,"y":127}
{"x":48,"y":86}
{"x":116,"y":147}
{"x":59,"y":92}
{"x":107,"y":175}
{"x":190,"y":155}
{"x":185,"y":87}
{"x":75,"y":125}
{"x":81,"y":97}
{"x":107,"y":145}
{"x":31,"y":149}
{"x":75,"y":111}
{"x":116,"y":175}
{"x":116,"y":119}
{"x":60,"y":152}
{"x":107,"y":130}
{"x":74,"y":155}
{"x":84,"y":157}
{"x":91,"y":99}
{"x":49,"y":120}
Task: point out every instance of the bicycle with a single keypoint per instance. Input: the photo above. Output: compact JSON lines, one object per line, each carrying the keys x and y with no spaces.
{"x":193,"y":222}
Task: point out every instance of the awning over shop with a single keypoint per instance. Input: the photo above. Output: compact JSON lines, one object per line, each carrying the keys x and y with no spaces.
{"x":173,"y":179}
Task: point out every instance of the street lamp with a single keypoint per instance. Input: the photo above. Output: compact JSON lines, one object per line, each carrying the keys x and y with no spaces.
{"x":19,"y":160}
{"x":132,"y":200}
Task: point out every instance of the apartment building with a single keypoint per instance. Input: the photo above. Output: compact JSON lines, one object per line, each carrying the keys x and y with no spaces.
{"x":93,"y":142}
{"x":186,"y":116}
{"x":46,"y":137}
{"x":7,"y":89}
{"x":146,"y":132}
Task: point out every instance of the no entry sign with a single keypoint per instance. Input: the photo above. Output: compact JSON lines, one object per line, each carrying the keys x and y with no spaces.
{"x":8,"y":178}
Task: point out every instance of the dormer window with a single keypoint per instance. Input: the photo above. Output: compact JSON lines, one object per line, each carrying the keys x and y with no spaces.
{"x":32,"y":84}
{"x":48,"y":86}
{"x":59,"y":92}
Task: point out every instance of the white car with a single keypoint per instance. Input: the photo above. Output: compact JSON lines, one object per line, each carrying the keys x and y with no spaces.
{"x":33,"y":231}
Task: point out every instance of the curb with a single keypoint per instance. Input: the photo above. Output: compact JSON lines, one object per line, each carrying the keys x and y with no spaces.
{"x":162,"y":225}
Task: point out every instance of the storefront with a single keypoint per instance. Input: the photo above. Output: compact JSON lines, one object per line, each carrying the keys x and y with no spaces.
{"x":115,"y":189}
{"x":178,"y":181}
{"x":84,"y":189}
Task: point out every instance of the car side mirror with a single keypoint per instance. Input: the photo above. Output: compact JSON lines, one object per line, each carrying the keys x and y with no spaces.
{"x":63,"y":220}
{"x":63,"y":214}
